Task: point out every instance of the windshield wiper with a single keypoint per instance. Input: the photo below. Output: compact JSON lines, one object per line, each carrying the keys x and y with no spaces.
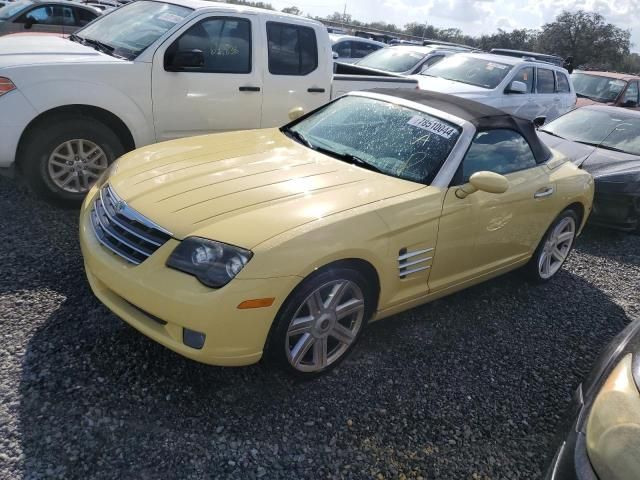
{"x":613,"y":149}
{"x":346,"y":157}
{"x":299,"y":137}
{"x":349,"y":158}
{"x":101,"y":47}
{"x":76,"y":38}
{"x":593,"y":99}
{"x":549,"y":132}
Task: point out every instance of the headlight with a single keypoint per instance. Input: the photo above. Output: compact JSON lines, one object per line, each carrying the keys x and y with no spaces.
{"x":213,"y":263}
{"x":613,"y":428}
{"x":111,"y":170}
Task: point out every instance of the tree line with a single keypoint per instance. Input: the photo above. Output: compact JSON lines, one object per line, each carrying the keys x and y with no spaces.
{"x":586,"y":36}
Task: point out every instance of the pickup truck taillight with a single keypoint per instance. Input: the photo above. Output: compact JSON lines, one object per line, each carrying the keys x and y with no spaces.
{"x":6,"y":85}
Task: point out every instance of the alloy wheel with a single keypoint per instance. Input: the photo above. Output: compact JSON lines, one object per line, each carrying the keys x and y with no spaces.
{"x":557,"y":247}
{"x":75,"y":165}
{"x":325,"y":325}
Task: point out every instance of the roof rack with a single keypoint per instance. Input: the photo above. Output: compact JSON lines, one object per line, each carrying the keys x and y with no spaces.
{"x":431,"y":41}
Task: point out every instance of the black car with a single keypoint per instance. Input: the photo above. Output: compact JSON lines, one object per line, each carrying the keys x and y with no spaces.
{"x":602,"y":436}
{"x":604,"y":141}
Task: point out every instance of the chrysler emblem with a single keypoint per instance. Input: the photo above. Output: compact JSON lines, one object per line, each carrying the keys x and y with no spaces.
{"x":119,"y":206}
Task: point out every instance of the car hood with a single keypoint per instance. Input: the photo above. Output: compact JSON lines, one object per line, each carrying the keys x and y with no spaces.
{"x":604,"y":165}
{"x":243,"y":188}
{"x":437,"y":84}
{"x":22,"y":50}
{"x":576,"y":152}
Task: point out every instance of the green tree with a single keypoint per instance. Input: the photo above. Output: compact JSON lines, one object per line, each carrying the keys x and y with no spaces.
{"x":292,"y":10}
{"x":587,"y":37}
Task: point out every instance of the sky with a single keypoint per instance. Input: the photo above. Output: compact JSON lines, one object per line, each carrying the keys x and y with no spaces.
{"x":474,"y":16}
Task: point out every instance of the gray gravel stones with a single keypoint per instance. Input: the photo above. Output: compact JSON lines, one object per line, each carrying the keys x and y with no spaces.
{"x":472,"y":386}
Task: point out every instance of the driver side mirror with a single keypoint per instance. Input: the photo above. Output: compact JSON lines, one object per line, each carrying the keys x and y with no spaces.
{"x":539,"y":122}
{"x":336,"y":56}
{"x":29,"y":22}
{"x":517,"y":87}
{"x":485,"y":182}
{"x":184,"y":60}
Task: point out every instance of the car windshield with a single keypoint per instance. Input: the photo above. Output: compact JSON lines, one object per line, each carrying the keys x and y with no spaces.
{"x":382,"y":136}
{"x":473,"y":71}
{"x":14,"y":8}
{"x":392,"y":59}
{"x":617,"y":131}
{"x":129,"y":30}
{"x":597,"y":88}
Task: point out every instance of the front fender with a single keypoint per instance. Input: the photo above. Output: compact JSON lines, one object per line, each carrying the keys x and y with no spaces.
{"x":131,"y":104}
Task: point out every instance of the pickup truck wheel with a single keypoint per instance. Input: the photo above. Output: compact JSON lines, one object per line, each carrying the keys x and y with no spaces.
{"x":63,"y":159}
{"x":320,"y":322}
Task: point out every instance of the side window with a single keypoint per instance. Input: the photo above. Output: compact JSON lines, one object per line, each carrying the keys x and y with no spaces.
{"x":225,"y":43}
{"x":293,"y":50}
{"x":43,"y":15}
{"x":631,"y":94}
{"x":67,"y":16}
{"x":362,"y":49}
{"x":545,"y":82}
{"x":343,"y":49}
{"x":84,"y":16}
{"x":525,"y":75}
{"x":563,"y":83}
{"x":499,"y":151}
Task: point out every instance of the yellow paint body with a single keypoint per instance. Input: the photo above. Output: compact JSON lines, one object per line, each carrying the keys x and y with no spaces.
{"x":613,"y":428}
{"x":298,"y":210}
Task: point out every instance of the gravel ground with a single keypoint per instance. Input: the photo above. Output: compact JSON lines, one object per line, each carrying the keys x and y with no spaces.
{"x":470,"y":387}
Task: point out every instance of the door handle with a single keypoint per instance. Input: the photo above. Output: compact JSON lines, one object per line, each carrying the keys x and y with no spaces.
{"x":249,"y":89}
{"x":544,"y":192}
{"x":316,"y":90}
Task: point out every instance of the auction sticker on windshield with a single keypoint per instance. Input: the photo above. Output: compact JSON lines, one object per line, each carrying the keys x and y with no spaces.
{"x":432,"y":126}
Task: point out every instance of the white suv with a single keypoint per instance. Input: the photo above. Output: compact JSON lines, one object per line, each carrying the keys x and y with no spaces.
{"x":527,"y":88}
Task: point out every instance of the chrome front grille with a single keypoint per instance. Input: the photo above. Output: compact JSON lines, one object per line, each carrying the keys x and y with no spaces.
{"x":409,"y":262}
{"x":123,"y":230}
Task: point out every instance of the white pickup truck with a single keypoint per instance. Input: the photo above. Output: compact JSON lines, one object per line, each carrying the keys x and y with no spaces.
{"x":156,"y":70}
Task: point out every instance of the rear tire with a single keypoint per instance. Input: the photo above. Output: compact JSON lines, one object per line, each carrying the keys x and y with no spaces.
{"x":554,"y":248}
{"x":63,"y":158}
{"x":320,"y":322}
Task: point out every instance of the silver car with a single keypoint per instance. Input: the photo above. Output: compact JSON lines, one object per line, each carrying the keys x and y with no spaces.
{"x":349,"y":49}
{"x":407,"y":59}
{"x":61,"y":17}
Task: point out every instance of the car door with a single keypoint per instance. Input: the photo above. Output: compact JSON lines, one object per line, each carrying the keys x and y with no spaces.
{"x":343,"y":49}
{"x":521,"y":104}
{"x":47,"y":18}
{"x":485,"y":232}
{"x":563,"y":89}
{"x":546,"y":96}
{"x":298,"y":73}
{"x":83,"y":16}
{"x":630,"y":98}
{"x":224,"y":93}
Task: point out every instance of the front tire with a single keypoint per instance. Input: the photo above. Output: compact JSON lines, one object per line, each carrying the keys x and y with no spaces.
{"x":320,"y":322}
{"x":554,"y":248}
{"x":63,"y":158}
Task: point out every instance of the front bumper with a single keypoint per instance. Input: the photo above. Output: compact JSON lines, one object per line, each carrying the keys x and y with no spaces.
{"x":616,"y":210}
{"x":15,"y":115}
{"x":149,"y":294}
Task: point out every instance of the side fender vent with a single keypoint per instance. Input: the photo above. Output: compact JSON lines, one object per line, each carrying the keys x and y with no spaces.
{"x":413,"y":262}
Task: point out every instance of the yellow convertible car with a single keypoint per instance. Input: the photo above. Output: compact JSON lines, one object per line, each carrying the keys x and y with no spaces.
{"x":284,"y":243}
